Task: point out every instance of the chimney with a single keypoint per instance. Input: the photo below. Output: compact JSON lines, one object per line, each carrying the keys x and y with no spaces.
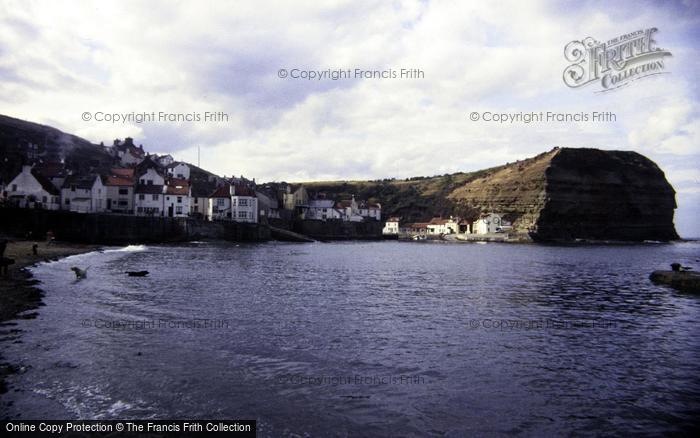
{"x":232,"y":190}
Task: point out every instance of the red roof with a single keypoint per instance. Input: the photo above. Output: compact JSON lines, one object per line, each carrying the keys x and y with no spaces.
{"x":178,"y":189}
{"x":221,"y":192}
{"x":243,"y":190}
{"x":122,"y":172}
{"x":112,"y":180}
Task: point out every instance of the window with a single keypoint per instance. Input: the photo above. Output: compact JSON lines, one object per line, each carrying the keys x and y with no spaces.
{"x":142,"y":181}
{"x":179,"y":201}
{"x":142,"y":197}
{"x":155,"y":197}
{"x":178,"y":209}
{"x":123,"y":191}
{"x":242,"y":214}
{"x":149,"y":182}
{"x":196,"y":200}
{"x":140,"y":209}
{"x":14,"y":187}
{"x":220,"y":202}
{"x":243,"y":202}
{"x":123,"y":202}
{"x":67,"y":201}
{"x":72,"y":188}
{"x":43,"y":199}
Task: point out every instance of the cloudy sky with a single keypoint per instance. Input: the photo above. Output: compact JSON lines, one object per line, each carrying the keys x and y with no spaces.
{"x":61,"y":59}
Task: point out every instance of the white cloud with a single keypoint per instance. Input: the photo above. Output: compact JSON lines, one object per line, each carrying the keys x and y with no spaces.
{"x":58,"y":60}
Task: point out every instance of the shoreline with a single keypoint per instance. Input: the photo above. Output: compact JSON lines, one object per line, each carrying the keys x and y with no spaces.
{"x":19,"y":293}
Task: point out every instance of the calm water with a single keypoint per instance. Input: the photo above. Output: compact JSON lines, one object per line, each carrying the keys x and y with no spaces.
{"x":367,"y":339}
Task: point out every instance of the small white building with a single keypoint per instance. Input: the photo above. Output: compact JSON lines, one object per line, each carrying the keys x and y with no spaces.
{"x":370,"y":210}
{"x":322,"y":210}
{"x":219,"y":205}
{"x":84,"y":194}
{"x":151,"y":177}
{"x":490,"y":223}
{"x":149,"y":200}
{"x":244,"y":204}
{"x":120,"y":193}
{"x":179,"y":170}
{"x":30,"y":189}
{"x":391,"y":226}
{"x":165,"y":160}
{"x":177,"y":198}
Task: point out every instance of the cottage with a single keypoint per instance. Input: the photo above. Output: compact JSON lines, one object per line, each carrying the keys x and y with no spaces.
{"x":84,"y":194}
{"x":391,"y":226}
{"x":322,"y":210}
{"x":179,"y":170}
{"x":415,"y":229}
{"x":490,"y":223}
{"x":165,"y":160}
{"x":149,"y":199}
{"x":219,"y":205}
{"x":199,"y":197}
{"x":244,"y":204}
{"x":120,"y":191}
{"x":128,"y":153}
{"x":439,"y":226}
{"x":369,"y":210}
{"x":177,"y":198}
{"x":30,"y":189}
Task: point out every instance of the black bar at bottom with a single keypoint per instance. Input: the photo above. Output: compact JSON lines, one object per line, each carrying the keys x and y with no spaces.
{"x":95,"y":428}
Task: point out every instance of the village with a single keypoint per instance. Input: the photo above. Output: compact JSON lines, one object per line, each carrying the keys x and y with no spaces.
{"x":143,"y":184}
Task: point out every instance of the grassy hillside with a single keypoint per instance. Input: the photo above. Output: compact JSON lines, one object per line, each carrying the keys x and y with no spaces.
{"x":462,"y":194}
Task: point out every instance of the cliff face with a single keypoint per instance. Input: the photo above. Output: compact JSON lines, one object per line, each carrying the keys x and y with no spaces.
{"x":563,"y":194}
{"x":568,"y":194}
{"x":596,"y":194}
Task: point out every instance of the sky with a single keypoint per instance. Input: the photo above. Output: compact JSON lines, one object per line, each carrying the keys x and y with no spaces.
{"x":62,"y":59}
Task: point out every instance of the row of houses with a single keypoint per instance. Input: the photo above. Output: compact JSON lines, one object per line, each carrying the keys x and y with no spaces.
{"x":157,"y":185}
{"x":144,"y":190}
{"x":488,"y":223}
{"x":323,"y":208}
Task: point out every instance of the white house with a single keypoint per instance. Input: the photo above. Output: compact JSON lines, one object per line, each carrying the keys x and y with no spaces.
{"x":30,"y":189}
{"x":84,"y":194}
{"x":165,"y":160}
{"x":151,"y":177}
{"x":149,"y":199}
{"x":490,"y":223}
{"x":391,"y":226}
{"x":120,"y":191}
{"x":177,"y":198}
{"x":439,"y":226}
{"x":370,"y":210}
{"x":179,"y":170}
{"x":244,"y":204}
{"x":220,"y":203}
{"x":322,"y":210}
{"x":199,"y":198}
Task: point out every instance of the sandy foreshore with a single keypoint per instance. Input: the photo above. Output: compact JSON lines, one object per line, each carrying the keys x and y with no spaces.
{"x":18,"y":291}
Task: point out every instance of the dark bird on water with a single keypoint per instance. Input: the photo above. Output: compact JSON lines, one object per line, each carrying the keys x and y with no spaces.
{"x":137,"y":273}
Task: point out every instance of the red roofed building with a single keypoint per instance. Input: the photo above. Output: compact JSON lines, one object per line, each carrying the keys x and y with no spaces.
{"x":177,"y":198}
{"x":120,"y":190}
{"x":236,"y":202}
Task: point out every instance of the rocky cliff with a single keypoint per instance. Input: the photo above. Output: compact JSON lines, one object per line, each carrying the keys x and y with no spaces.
{"x":563,"y":194}
{"x":570,"y":194}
